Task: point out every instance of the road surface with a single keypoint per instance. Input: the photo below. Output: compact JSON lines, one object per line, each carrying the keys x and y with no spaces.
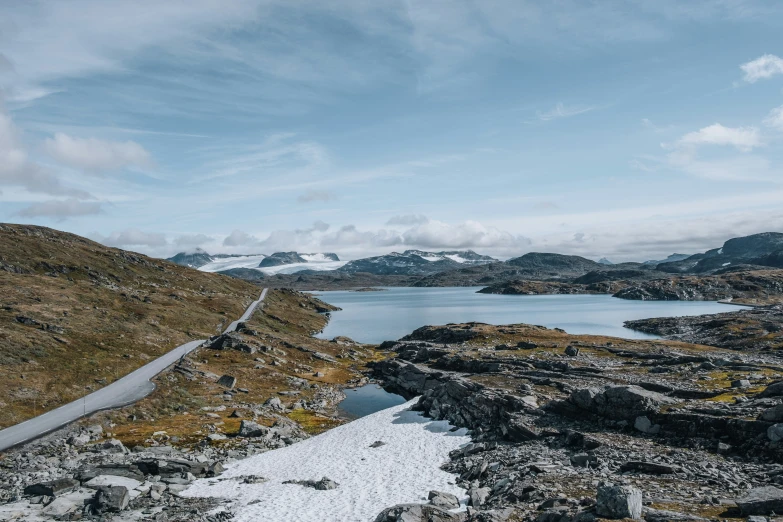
{"x":127,"y":390}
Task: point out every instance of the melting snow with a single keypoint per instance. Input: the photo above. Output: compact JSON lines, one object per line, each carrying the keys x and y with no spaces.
{"x":315,"y":262}
{"x":403,"y":470}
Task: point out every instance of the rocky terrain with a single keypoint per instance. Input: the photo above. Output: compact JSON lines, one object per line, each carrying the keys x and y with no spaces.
{"x":757,"y":329}
{"x":758,"y":250}
{"x":76,"y":315}
{"x":755,"y":287}
{"x":265,"y":386}
{"x":577,"y":428}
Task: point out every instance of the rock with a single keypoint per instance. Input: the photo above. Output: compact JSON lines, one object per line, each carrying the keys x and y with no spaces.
{"x":112,"y":499}
{"x":112,"y":480}
{"x":326,"y":484}
{"x":227,"y":381}
{"x":53,"y":488}
{"x":740,"y":383}
{"x":753,"y":518}
{"x":112,"y":446}
{"x":762,"y":501}
{"x":79,"y":440}
{"x":572,"y":351}
{"x":443,"y":500}
{"x":526,"y":345}
{"x":418,"y":513}
{"x":274,"y":403}
{"x":619,"y":502}
{"x":645,"y":425}
{"x":216,"y":436}
{"x":583,"y":460}
{"x":59,"y":508}
{"x":322,"y":485}
{"x":775,"y":432}
{"x":249,"y":428}
{"x":377,"y":444}
{"x":478,"y":496}
{"x":619,"y":402}
{"x":652,"y":468}
{"x":773,"y":390}
{"x":774,"y":414}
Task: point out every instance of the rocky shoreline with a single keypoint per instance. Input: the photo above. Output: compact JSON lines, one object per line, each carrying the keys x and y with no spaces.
{"x":757,"y":329}
{"x":574,"y":428}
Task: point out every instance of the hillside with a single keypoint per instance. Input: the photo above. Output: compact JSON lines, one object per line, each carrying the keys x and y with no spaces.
{"x":76,"y":315}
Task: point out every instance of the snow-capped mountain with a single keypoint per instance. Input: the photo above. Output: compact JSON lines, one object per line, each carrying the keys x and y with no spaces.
{"x":416,"y":262}
{"x":277,"y":263}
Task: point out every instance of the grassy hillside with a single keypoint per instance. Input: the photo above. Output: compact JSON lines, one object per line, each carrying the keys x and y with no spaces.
{"x":76,"y":315}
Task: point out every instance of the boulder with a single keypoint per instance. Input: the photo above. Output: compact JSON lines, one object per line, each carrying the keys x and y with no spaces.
{"x":478,"y":496}
{"x":52,"y":488}
{"x":111,"y":499}
{"x":740,"y":383}
{"x":774,"y":414}
{"x":274,"y":403}
{"x":227,"y":381}
{"x":619,"y":402}
{"x":651,"y":468}
{"x":112,"y":480}
{"x":443,"y":500}
{"x":619,"y":502}
{"x":572,"y":351}
{"x":249,"y":428}
{"x":418,"y":513}
{"x":775,"y":432}
{"x":773,"y":390}
{"x":762,"y":501}
{"x":645,"y":425}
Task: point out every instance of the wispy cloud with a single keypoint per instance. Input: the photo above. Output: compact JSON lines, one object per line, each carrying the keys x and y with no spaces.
{"x":562,"y":111}
{"x":316,"y":196}
{"x":775,"y":118}
{"x":61,"y":209}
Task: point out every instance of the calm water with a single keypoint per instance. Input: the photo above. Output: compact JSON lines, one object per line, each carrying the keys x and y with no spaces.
{"x":367,"y":399}
{"x":374,"y":317}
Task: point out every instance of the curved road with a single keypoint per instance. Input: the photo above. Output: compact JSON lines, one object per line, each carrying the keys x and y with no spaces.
{"x":124,"y":391}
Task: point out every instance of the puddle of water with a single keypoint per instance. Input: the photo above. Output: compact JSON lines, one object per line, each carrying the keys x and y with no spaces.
{"x":367,"y":399}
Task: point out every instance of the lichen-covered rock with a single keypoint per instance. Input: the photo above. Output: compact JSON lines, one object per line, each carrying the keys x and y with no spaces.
{"x":619,"y":502}
{"x":418,"y":513}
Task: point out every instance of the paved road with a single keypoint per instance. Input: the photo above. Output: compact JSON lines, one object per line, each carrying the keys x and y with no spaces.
{"x":129,"y":389}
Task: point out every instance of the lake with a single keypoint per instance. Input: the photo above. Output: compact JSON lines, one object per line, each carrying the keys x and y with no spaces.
{"x":374,"y":317}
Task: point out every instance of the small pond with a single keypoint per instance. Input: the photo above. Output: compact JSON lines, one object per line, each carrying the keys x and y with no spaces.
{"x":367,"y":399}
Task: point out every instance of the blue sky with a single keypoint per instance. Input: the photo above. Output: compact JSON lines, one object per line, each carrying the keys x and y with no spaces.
{"x":626,"y":129}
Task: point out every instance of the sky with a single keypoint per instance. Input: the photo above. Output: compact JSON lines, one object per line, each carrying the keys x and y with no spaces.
{"x":624,"y":129}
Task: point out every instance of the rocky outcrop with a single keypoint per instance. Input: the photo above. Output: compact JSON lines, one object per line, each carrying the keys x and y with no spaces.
{"x":418,"y":513}
{"x":619,"y":402}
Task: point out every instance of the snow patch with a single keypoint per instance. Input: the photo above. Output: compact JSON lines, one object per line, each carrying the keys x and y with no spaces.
{"x":726,"y":264}
{"x":227,"y":263}
{"x":403,"y":470}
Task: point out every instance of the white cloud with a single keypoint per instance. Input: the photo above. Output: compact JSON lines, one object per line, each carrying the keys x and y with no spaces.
{"x":408,"y":220}
{"x":775,"y":118}
{"x":562,"y":111}
{"x":132,"y":238}
{"x":742,"y":138}
{"x":17,"y":169}
{"x":96,"y":155}
{"x":239,"y":238}
{"x":763,"y":67}
{"x":469,"y":234}
{"x":192,"y":240}
{"x":61,"y":209}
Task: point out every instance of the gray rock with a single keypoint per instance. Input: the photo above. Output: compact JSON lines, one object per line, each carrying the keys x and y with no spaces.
{"x":572,"y":351}
{"x":775,"y":432}
{"x":652,"y":468}
{"x":619,"y":402}
{"x":227,"y":381}
{"x":112,"y":499}
{"x":443,"y":500}
{"x":478,"y":496}
{"x":774,"y":414}
{"x":112,"y":446}
{"x":773,"y":390}
{"x":619,"y":502}
{"x":249,"y":428}
{"x":645,"y":425}
{"x":662,"y":515}
{"x":53,"y":488}
{"x":762,"y":501}
{"x":274,"y":403}
{"x":740,"y":383}
{"x":418,"y":513}
{"x":59,"y":508}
